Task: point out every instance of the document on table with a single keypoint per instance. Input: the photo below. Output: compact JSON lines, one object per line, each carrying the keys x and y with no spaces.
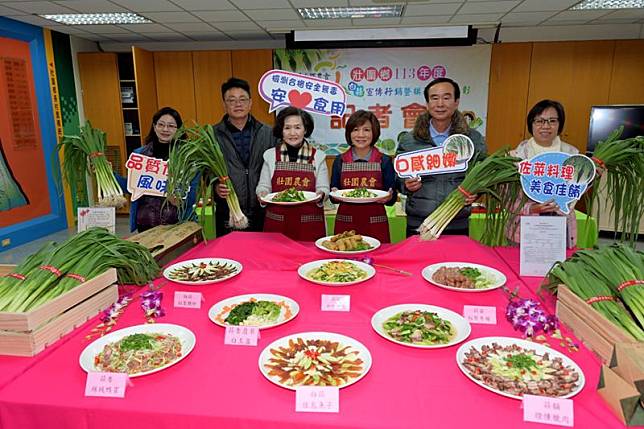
{"x":543,"y":242}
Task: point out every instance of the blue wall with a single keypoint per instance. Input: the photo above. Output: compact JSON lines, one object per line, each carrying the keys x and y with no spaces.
{"x":24,"y":232}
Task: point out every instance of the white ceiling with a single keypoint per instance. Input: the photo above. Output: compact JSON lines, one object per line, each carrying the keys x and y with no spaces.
{"x":268,"y":20}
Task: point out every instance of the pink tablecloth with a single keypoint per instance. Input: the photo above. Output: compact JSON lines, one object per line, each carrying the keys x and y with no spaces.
{"x":221,"y":386}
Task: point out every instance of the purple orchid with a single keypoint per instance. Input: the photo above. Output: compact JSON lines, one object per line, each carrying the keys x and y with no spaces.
{"x":151,"y":303}
{"x":527,"y":316}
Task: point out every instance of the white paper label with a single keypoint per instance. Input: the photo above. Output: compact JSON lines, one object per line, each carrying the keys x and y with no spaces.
{"x":543,"y":242}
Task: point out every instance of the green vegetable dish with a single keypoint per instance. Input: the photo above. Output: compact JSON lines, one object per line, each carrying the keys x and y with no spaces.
{"x":254,"y":313}
{"x":289,"y":195}
{"x":359,"y":193}
{"x":419,"y":327}
{"x":337,"y":272}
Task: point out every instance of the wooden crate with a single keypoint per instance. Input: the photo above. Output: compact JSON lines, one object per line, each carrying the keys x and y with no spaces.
{"x":27,"y":334}
{"x":590,"y":326}
{"x":168,"y":242}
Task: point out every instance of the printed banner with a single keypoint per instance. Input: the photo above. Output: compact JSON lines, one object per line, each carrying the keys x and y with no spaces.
{"x":146,"y":176}
{"x":280,"y":88}
{"x":453,"y":156}
{"x":556,"y":176}
{"x":389,"y":82}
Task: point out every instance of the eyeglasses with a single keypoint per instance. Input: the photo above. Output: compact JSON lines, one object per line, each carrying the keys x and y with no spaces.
{"x":233,"y":101}
{"x":162,"y":125}
{"x":543,"y":121}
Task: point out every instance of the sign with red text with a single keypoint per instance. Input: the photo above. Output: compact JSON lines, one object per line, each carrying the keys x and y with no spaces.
{"x":480,"y":314}
{"x":187,"y":299}
{"x":558,"y":177}
{"x":336,"y":302}
{"x":241,"y":335}
{"x":553,"y":411}
{"x":106,"y":384}
{"x":452,"y":157}
{"x":146,"y":176}
{"x":317,"y":399}
{"x":282,"y":88}
{"x":89,"y":217}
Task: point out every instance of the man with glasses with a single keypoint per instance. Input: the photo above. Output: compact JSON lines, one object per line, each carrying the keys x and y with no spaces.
{"x":243,"y":140}
{"x":431,"y":129}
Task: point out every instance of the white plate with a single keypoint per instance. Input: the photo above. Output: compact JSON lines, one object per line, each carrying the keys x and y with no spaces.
{"x":527,"y":345}
{"x":167,"y":271}
{"x":363,"y":353}
{"x":306,"y":268}
{"x":373,"y":242}
{"x":185,"y":336}
{"x":235,"y":300}
{"x":462,"y":327}
{"x":340,"y":196}
{"x":497,"y":277}
{"x":308,"y":195}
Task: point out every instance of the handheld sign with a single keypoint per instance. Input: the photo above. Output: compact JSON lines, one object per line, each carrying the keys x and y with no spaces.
{"x":281,"y":88}
{"x":146,"y":176}
{"x":556,"y":176}
{"x":453,"y":156}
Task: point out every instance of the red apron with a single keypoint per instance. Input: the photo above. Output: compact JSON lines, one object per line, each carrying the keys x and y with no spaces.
{"x":302,"y":222}
{"x":366,"y":219}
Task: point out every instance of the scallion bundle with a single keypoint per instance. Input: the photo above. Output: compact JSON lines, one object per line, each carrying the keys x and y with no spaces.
{"x":199,"y":153}
{"x":497,"y":177}
{"x":610,"y":279}
{"x":623,"y":162}
{"x":85,"y":154}
{"x":55,"y":270}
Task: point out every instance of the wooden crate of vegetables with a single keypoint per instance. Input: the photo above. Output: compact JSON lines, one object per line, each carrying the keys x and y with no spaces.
{"x":167,"y":242}
{"x":601,"y":296}
{"x":63,"y":285}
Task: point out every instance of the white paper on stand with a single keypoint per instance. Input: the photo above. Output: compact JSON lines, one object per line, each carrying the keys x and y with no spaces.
{"x":97,"y":216}
{"x":543,"y":242}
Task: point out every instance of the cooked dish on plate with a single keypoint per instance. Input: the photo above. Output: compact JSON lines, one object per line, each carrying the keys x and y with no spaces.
{"x":254,"y":313}
{"x":347,"y":241}
{"x":202,"y":271}
{"x":314,"y":362}
{"x":289,"y":195}
{"x":337,"y":272}
{"x":137,"y":353}
{"x":359,"y":193}
{"x":419,"y":327}
{"x":516,"y":371}
{"x":462,"y":277}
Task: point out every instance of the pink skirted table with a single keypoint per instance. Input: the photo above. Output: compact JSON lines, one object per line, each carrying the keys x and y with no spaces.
{"x":221,"y":386}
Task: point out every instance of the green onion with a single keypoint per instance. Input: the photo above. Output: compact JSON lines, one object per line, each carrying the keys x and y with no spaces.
{"x":85,"y":154}
{"x":584,"y":168}
{"x":497,"y":177}
{"x":199,"y":153}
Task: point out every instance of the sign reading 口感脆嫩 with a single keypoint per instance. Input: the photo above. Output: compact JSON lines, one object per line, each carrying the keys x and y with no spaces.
{"x":146,"y":176}
{"x":453,"y":156}
{"x":281,"y":88}
{"x":556,"y":176}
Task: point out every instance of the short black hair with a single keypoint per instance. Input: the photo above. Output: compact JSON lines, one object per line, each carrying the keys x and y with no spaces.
{"x":359,"y":118}
{"x":457,"y":89}
{"x":234,"y":82}
{"x":307,"y":120}
{"x":542,"y":105}
{"x":152,"y":136}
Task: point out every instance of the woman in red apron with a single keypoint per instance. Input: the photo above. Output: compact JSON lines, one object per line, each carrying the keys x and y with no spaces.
{"x":364,"y":166}
{"x":294,"y":163}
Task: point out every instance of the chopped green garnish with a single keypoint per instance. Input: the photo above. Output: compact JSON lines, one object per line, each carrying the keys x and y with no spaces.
{"x":137,"y":342}
{"x":521,"y":361}
{"x":472,"y":273}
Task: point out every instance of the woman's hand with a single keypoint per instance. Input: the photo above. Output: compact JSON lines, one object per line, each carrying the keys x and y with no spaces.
{"x":385,"y":199}
{"x":222,"y":190}
{"x":413,"y":184}
{"x":320,"y":196}
{"x":547,"y":207}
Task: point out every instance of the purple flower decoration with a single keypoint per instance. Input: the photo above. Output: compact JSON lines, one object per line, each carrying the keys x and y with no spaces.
{"x":115,"y":309}
{"x":527,"y":316}
{"x":366,"y":259}
{"x":151,"y":303}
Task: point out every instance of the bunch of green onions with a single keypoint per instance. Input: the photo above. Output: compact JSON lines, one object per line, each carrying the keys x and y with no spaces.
{"x":623,"y":161}
{"x":497,"y":177}
{"x":85,"y":154}
{"x":54,"y":270}
{"x":611,"y":280}
{"x":199,"y":153}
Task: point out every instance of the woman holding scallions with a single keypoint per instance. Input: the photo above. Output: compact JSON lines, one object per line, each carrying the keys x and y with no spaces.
{"x":364,"y":166}
{"x":545,"y":123}
{"x":149,"y":211}
{"x":294,"y":163}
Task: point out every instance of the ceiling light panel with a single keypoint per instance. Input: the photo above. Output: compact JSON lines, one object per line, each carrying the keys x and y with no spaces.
{"x":98,"y":18}
{"x":608,"y":4}
{"x":392,"y":11}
